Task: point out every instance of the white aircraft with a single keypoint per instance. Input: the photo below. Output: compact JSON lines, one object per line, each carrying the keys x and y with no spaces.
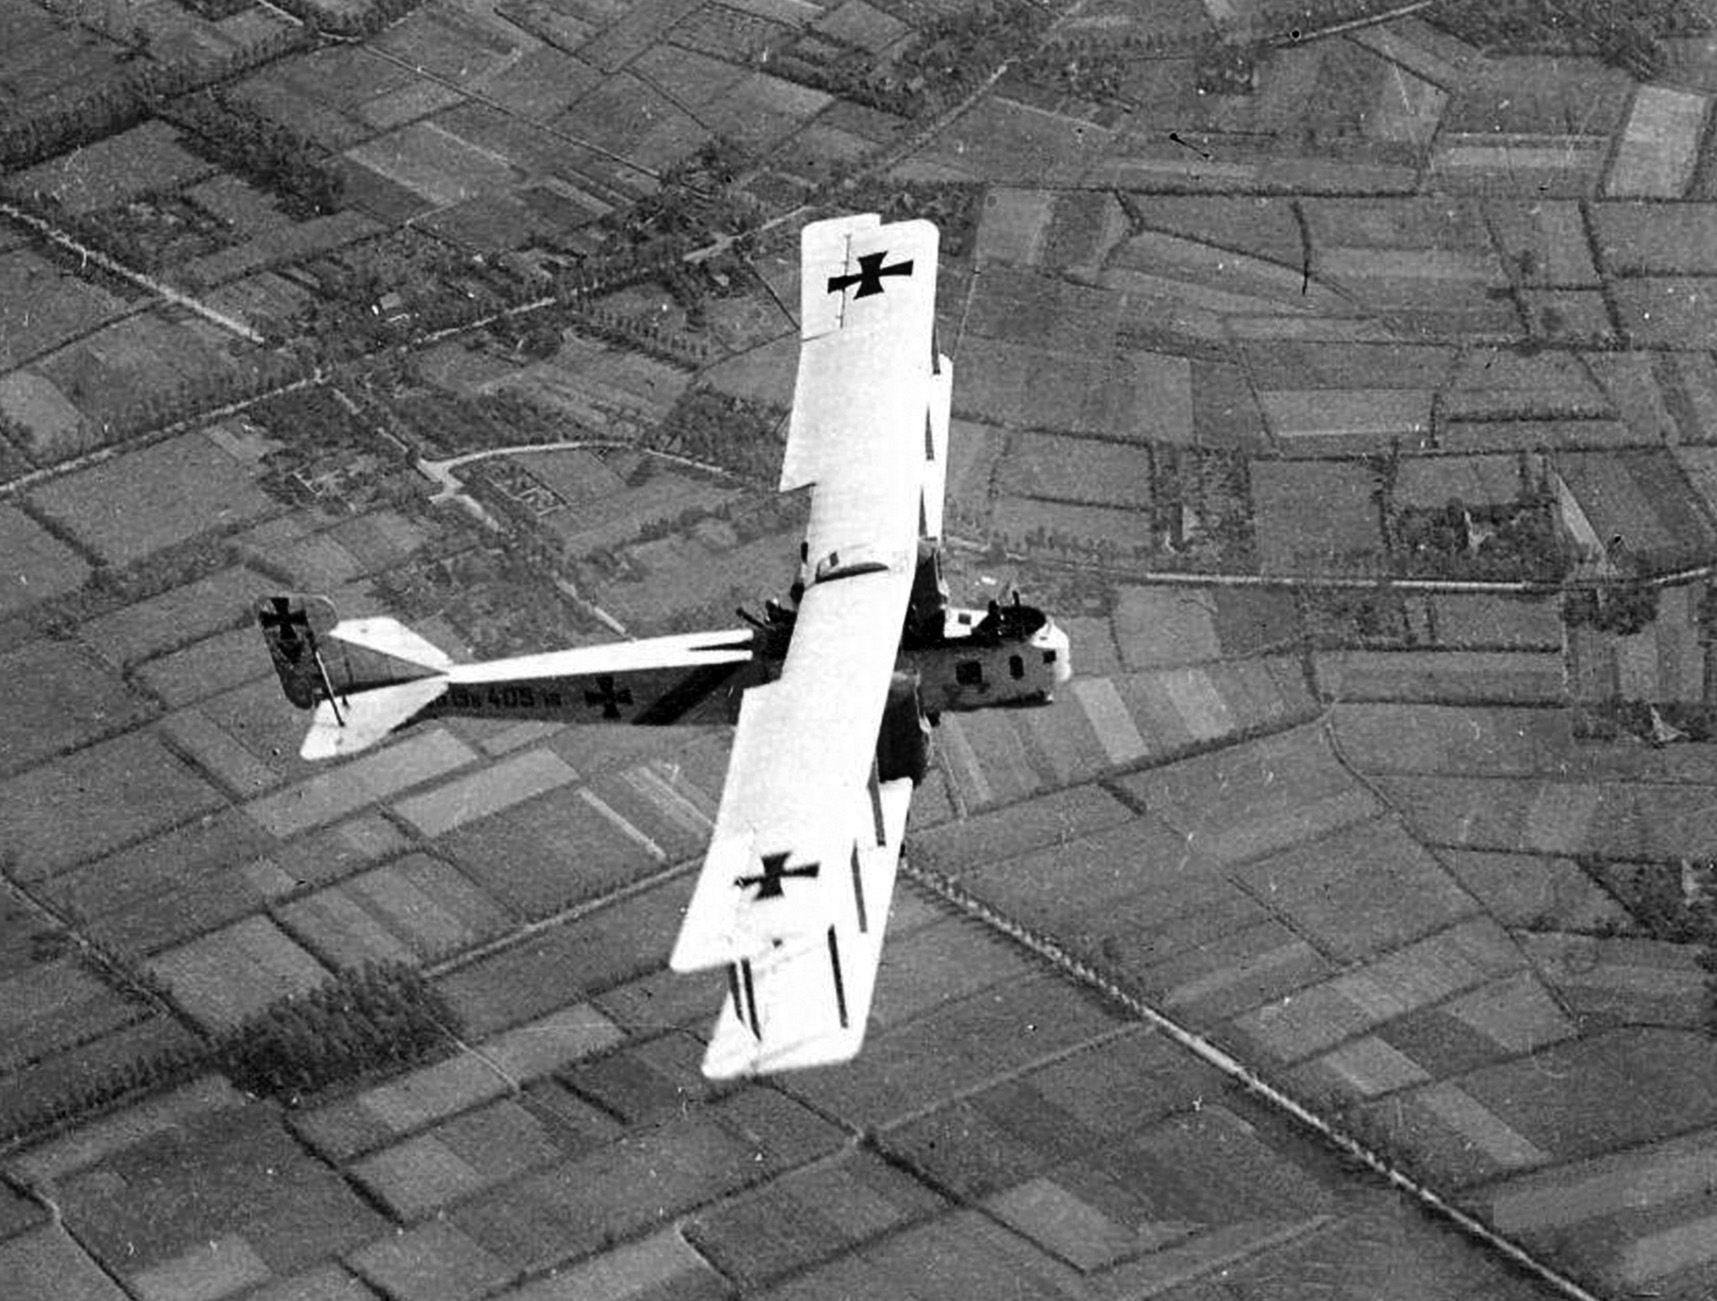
{"x":834,"y":690}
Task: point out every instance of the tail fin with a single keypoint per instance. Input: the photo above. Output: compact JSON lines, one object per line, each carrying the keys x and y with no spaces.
{"x":291,"y":625}
{"x":358,"y":722}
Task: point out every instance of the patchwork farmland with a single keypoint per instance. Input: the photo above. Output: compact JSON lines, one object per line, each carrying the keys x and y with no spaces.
{"x":1339,"y":376}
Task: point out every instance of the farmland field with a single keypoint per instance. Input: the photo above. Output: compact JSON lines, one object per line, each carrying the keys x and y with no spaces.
{"x":147,"y":157}
{"x":72,"y":701}
{"x":147,"y":500}
{"x":1241,"y":294}
{"x":41,"y":308}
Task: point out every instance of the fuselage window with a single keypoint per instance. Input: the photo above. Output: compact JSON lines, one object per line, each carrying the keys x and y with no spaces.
{"x":1016,"y":666}
{"x":969,"y":673}
{"x":1049,"y":657}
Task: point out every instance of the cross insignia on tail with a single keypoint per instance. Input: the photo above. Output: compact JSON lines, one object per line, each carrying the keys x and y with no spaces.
{"x":286,"y":621}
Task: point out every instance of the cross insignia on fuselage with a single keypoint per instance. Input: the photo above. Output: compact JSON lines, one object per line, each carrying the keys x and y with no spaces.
{"x":869,"y":276}
{"x":608,"y":696}
{"x":775,"y":871}
{"x":287,"y":621}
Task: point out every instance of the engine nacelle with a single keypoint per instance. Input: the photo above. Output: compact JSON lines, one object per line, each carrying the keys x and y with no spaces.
{"x":903,"y":742}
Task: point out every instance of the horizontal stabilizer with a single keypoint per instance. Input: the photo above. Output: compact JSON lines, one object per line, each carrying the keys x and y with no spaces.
{"x":354,"y":723}
{"x":391,"y":638}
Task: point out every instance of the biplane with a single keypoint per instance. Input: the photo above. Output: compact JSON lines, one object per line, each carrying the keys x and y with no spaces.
{"x":832,"y":692}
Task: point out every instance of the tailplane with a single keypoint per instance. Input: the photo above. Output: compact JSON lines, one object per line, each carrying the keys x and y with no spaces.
{"x":356,"y":722}
{"x":363,"y":677}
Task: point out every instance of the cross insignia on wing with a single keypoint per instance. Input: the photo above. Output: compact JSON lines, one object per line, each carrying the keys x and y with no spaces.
{"x":775,"y":872}
{"x":869,"y":276}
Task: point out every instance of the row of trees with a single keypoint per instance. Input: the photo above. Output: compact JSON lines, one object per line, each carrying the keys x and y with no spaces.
{"x":232,"y":133}
{"x":209,"y":390}
{"x":16,"y":440}
{"x":1628,"y":34}
{"x":366,"y":1019}
{"x":56,"y":128}
{"x":735,"y":433}
{"x":846,"y":74}
{"x":448,"y":424}
{"x":96,"y":1090}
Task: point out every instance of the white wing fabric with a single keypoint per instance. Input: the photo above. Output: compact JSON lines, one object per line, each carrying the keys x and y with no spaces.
{"x":803,"y":822}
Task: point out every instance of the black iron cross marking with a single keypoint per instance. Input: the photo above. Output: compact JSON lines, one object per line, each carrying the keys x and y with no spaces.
{"x":775,"y":871}
{"x":869,"y":276}
{"x":608,"y":696}
{"x":288,"y":621}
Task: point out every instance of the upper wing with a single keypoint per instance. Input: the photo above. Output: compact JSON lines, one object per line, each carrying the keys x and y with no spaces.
{"x":802,"y":816}
{"x":859,"y":430}
{"x":804,"y":745}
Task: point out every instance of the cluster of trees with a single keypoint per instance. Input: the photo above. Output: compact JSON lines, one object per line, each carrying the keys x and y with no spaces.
{"x":1339,"y":616}
{"x":228,"y":131}
{"x":647,"y":336}
{"x":604,"y":275}
{"x":1625,"y":33}
{"x":1623,"y":607}
{"x":90,"y":230}
{"x":954,"y":53}
{"x":955,"y":206}
{"x":848,"y":74}
{"x":735,"y":433}
{"x":56,"y":128}
{"x":1518,"y":541}
{"x":147,"y":232}
{"x":16,"y":439}
{"x":380,"y":1015}
{"x":449,"y":424}
{"x":1671,"y":901}
{"x":948,"y":58}
{"x":440,"y":289}
{"x":310,"y":419}
{"x":1201,"y":502}
{"x":699,"y":198}
{"x":1639,"y":719}
{"x":504,"y":599}
{"x":113,"y":587}
{"x":209,"y":390}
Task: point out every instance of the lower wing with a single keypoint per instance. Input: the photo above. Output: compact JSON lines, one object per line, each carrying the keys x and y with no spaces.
{"x":807,"y":1001}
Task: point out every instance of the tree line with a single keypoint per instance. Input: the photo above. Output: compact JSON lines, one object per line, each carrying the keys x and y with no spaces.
{"x":52,"y":129}
{"x":365,"y":1020}
{"x":1627,"y":34}
{"x":227,"y":131}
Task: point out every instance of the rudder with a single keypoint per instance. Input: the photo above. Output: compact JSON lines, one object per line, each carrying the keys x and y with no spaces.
{"x":291,"y":627}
